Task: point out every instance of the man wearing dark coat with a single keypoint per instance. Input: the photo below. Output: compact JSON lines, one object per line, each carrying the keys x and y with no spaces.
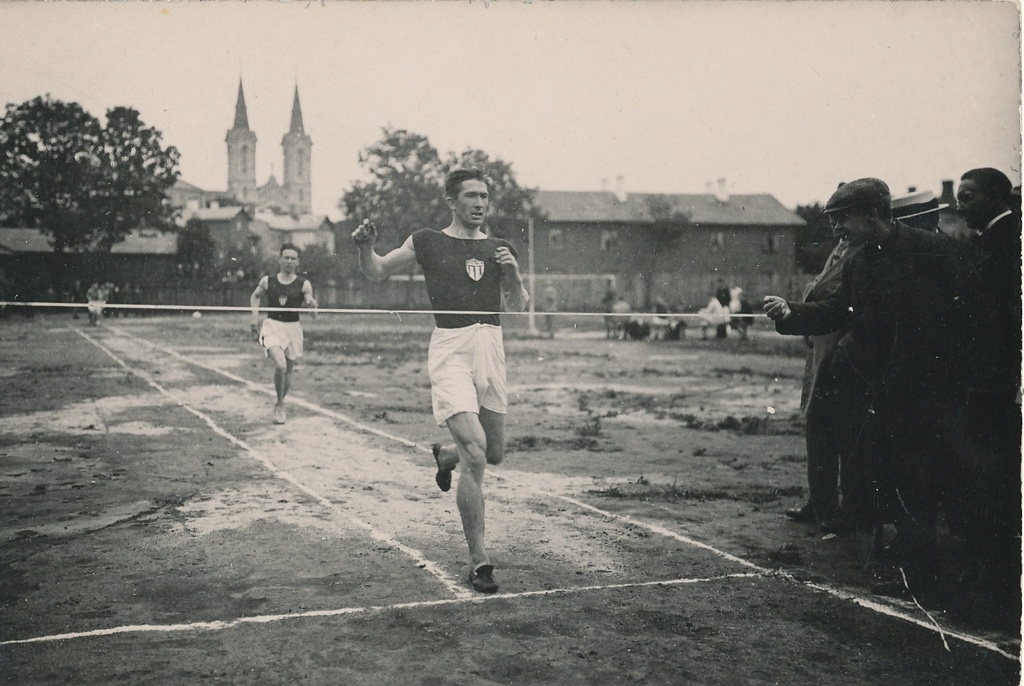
{"x":984,"y":200}
{"x":825,"y":380}
{"x":915,"y":312}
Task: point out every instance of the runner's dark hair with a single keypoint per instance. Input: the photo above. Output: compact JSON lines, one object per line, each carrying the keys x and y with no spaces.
{"x":453,"y":182}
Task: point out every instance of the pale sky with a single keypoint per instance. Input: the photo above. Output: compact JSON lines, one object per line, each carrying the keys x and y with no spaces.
{"x":786,"y":98}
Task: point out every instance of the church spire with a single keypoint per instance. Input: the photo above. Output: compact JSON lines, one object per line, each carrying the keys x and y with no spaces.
{"x":241,"y":154}
{"x":296,"y":113}
{"x":241,"y":116}
{"x":297,"y":149}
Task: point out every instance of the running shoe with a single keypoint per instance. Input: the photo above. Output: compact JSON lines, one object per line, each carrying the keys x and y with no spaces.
{"x":444,"y":476}
{"x":482,"y":580}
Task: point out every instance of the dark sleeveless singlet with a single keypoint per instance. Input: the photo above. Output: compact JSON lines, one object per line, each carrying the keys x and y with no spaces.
{"x":461,"y":274}
{"x":279,"y":295}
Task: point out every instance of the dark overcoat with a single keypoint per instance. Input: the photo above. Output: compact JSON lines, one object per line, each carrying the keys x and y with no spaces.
{"x":916,"y":313}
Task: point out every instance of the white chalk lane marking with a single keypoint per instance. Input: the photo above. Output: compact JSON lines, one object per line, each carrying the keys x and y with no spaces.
{"x":418,"y":557}
{"x":338,"y":612}
{"x":899,"y":610}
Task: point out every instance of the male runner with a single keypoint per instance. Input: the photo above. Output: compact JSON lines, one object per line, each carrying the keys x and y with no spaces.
{"x":281,"y":333}
{"x":467,"y":274}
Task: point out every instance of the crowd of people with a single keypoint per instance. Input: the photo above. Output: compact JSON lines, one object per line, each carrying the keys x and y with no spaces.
{"x":912,"y":391}
{"x":727,"y":310}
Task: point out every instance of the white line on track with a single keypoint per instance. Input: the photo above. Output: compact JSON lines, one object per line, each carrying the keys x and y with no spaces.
{"x":758,"y":571}
{"x":416,"y":555}
{"x":267,"y":619}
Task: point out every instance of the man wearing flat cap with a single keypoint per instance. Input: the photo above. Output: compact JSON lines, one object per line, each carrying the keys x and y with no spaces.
{"x":824,"y":402}
{"x":984,"y":200}
{"x":914,"y":309}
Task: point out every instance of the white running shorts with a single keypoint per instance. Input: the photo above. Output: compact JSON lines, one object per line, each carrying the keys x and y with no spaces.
{"x":284,"y":335}
{"x":467,"y":371}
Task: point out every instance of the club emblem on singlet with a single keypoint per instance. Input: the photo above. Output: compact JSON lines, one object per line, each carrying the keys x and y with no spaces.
{"x":475,"y":269}
{"x":283,"y":299}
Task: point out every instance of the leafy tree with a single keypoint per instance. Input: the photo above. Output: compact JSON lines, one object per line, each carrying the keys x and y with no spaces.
{"x":137,"y":172}
{"x":815,"y":241}
{"x":241,"y":263}
{"x":404,"y":190}
{"x":85,"y":185}
{"x":48,"y":162}
{"x":667,"y":226}
{"x":197,"y":251}
{"x":318,"y":265}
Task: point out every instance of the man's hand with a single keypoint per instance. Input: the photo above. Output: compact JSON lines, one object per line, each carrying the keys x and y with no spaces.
{"x":776,"y":308}
{"x":255,"y":329}
{"x":504,"y":257}
{"x":365,"y":233}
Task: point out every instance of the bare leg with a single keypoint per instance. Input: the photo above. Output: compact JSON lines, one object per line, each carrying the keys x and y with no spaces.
{"x":289,"y":366}
{"x":282,"y":373}
{"x":494,"y":429}
{"x":471,"y":444}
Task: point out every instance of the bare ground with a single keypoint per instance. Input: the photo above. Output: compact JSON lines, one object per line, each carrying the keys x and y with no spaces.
{"x":636,"y":523}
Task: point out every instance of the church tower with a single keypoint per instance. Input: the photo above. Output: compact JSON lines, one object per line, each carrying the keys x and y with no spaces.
{"x":297,"y":147}
{"x":242,"y":154}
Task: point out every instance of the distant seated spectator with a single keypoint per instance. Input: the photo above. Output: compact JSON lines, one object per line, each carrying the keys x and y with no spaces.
{"x":739,"y":305}
{"x":96,"y":297}
{"x":716,"y":314}
{"x":609,"y":299}
{"x":659,"y":323}
{"x":636,"y":329}
{"x":618,"y":321}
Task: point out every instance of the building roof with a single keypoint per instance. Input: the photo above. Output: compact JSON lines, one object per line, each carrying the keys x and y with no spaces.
{"x":24,"y":241}
{"x":218,"y":213}
{"x":145,"y":242}
{"x":182,"y":184}
{"x":759,"y":209}
{"x":288,"y":222}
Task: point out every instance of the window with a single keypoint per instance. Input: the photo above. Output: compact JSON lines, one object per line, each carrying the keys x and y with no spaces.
{"x":556,"y":240}
{"x":609,"y":239}
{"x":772,"y":243}
{"x":717,"y":241}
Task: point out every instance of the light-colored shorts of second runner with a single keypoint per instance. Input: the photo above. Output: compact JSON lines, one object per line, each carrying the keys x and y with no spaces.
{"x":467,"y":371}
{"x":284,"y":335}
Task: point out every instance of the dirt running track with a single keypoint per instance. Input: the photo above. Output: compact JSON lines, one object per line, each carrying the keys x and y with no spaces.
{"x":157,"y":528}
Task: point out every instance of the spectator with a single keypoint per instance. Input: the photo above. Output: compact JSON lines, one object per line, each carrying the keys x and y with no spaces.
{"x":985,"y":199}
{"x":620,"y":308}
{"x":824,"y":402}
{"x":659,"y":323}
{"x":96,"y":298}
{"x":609,"y":299}
{"x":549,"y":304}
{"x":913,"y":310}
{"x":739,"y":305}
{"x":716,"y":314}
